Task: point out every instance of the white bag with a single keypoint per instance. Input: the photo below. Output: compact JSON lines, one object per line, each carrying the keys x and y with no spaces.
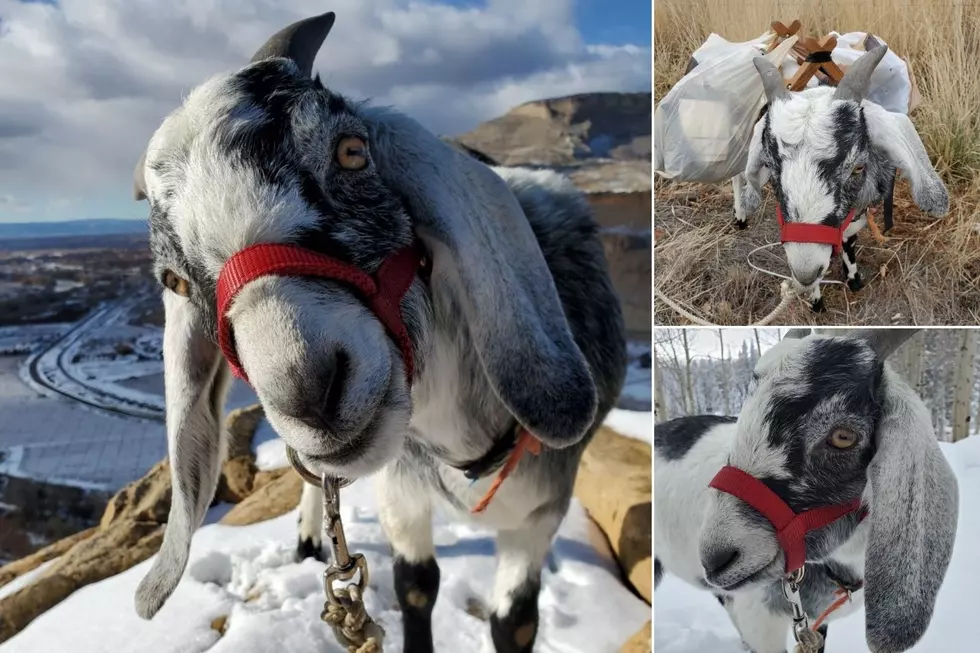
{"x":703,"y":126}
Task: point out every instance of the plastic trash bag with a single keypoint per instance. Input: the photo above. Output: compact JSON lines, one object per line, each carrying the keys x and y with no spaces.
{"x":703,"y":126}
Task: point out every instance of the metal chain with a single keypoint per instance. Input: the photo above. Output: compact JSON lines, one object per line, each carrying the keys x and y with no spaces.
{"x":344,"y":608}
{"x":807,"y":640}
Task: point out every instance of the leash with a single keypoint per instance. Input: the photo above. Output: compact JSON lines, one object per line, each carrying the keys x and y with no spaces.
{"x":343,"y":609}
{"x":786,"y":297}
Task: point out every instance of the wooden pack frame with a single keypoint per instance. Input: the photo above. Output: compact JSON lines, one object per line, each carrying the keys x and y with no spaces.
{"x":812,"y":55}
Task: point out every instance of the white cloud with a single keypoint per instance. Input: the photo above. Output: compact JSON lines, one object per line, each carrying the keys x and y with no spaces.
{"x":83,"y":83}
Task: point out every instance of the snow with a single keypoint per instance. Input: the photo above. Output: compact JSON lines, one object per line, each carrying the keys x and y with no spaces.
{"x":690,"y":620}
{"x":270,"y":450}
{"x":273,"y":603}
{"x":631,"y":423}
{"x":25,"y":580}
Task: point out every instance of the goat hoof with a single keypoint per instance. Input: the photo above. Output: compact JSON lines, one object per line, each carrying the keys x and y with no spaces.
{"x":856,"y":283}
{"x":818,"y":306}
{"x":741,"y":224}
{"x":307,"y":548}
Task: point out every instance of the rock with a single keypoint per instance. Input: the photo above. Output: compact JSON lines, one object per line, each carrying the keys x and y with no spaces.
{"x":641,"y":642}
{"x":146,"y":499}
{"x":615,"y":485}
{"x":561,"y":130}
{"x":131,"y":528}
{"x":30,"y":563}
{"x":124,"y":544}
{"x":275,"y":498}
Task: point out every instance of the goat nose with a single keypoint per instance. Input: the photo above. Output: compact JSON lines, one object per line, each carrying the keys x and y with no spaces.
{"x":318,"y":397}
{"x":718,"y":560}
{"x":808,"y":278}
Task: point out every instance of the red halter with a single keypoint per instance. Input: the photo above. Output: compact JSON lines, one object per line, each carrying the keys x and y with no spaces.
{"x":791,"y":528}
{"x":822,"y":234}
{"x":382,"y":293}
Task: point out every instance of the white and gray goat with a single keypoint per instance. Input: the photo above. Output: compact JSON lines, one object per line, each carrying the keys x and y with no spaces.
{"x":829,"y":151}
{"x":829,"y":422}
{"x":516,"y":322}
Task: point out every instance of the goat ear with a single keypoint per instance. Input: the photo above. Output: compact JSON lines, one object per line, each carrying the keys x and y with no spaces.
{"x":196,"y":383}
{"x":756,"y":172}
{"x":914,"y":505}
{"x":487,"y":259}
{"x":895,"y":134}
{"x":139,"y":179}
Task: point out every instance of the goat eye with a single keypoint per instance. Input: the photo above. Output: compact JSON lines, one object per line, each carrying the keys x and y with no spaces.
{"x":176,"y":284}
{"x":843,"y":438}
{"x":352,"y":153}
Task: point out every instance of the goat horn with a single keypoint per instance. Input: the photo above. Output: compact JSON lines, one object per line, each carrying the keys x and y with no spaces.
{"x":857,"y":80}
{"x":796,"y":334}
{"x":772,"y":79}
{"x":884,"y":341}
{"x":300,"y":42}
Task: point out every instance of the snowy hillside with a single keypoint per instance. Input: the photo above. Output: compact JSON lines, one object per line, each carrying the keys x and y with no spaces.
{"x":689,"y":620}
{"x":273,"y":603}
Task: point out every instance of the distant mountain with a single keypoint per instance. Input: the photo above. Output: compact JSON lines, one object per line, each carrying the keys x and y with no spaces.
{"x":68,"y":228}
{"x":567,"y":130}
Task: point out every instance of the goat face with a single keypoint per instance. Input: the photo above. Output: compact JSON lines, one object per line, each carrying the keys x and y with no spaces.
{"x":268,"y":155}
{"x":807,"y":433}
{"x":829,"y":423}
{"x":828,"y":151}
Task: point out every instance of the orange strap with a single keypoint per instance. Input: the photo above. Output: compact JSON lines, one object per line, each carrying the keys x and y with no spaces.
{"x":525,"y":443}
{"x":843,"y":596}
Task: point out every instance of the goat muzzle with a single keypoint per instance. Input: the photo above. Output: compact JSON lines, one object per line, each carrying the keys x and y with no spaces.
{"x":819,"y":234}
{"x":791,"y":528}
{"x":382,"y":292}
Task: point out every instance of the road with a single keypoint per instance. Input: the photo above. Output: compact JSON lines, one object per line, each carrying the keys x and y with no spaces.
{"x":48,"y":370}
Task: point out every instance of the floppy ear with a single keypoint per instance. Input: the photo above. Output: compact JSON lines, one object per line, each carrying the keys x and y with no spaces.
{"x":756,"y":171}
{"x":914,"y":505}
{"x":895,"y":134}
{"x":486,"y":257}
{"x":196,"y":383}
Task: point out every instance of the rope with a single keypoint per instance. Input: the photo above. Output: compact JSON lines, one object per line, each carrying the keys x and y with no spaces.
{"x":843,"y":596}
{"x":809,"y":641}
{"x":787,"y":295}
{"x":526,"y":443}
{"x":351,"y":624}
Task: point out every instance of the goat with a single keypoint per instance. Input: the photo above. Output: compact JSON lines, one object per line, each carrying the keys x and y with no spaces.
{"x":511,"y":321}
{"x":828,"y":423}
{"x":830,"y":152}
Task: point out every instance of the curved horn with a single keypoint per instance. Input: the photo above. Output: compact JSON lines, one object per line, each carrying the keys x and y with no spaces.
{"x":299,"y":42}
{"x":884,"y":341}
{"x":772,"y":79}
{"x":857,"y":80}
{"x":796,"y":334}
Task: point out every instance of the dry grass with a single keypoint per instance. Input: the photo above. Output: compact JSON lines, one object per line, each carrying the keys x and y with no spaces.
{"x":931,"y":272}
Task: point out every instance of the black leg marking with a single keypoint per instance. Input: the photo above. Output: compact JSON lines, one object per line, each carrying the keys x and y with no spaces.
{"x":658,"y":572}
{"x":850,"y":254}
{"x":305,"y":548}
{"x":417,"y":586}
{"x":515,"y":631}
{"x":739,"y":224}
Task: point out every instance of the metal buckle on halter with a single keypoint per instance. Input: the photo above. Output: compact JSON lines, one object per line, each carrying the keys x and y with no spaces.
{"x":807,"y":640}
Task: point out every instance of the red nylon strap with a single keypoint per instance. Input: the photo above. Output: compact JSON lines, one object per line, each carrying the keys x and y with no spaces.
{"x":820,"y":234}
{"x":791,"y":528}
{"x":382,"y":293}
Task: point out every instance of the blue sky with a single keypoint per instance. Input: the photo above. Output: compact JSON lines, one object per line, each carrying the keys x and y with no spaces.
{"x":84,"y":83}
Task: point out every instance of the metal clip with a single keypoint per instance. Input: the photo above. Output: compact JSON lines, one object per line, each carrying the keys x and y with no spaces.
{"x":791,"y":590}
{"x":345,"y":565}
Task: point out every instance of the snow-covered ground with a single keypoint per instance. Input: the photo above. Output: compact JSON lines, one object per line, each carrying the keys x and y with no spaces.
{"x":690,"y":620}
{"x":273,"y":603}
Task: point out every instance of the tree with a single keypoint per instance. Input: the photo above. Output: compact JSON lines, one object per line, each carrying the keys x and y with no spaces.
{"x":963,"y":384}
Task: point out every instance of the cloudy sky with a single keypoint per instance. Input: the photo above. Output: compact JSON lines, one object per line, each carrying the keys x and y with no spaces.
{"x":84,"y":83}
